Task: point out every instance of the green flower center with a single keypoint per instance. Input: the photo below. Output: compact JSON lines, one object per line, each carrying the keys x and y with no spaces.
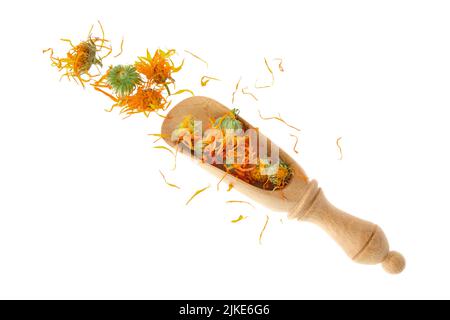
{"x":123,"y":79}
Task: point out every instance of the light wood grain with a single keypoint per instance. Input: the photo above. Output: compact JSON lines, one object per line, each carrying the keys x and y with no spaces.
{"x":364,"y":242}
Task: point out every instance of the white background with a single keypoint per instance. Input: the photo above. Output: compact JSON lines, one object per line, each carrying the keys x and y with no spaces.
{"x":84,"y":212}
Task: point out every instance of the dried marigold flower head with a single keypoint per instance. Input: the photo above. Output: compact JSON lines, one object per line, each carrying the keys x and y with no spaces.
{"x":256,"y":174}
{"x":123,"y":79}
{"x":145,"y":100}
{"x":229,"y":121}
{"x":84,"y":56}
{"x":80,"y":58}
{"x":282,"y":176}
{"x":159,"y":68}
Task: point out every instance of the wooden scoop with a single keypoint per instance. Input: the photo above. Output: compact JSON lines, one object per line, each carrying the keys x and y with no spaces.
{"x":364,"y":242}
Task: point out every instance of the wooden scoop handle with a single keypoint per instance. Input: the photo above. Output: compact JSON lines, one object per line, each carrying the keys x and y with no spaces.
{"x":363,"y":241}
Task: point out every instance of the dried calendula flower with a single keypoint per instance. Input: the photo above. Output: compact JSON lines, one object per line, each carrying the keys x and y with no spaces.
{"x":159,"y":67}
{"x":259,"y":172}
{"x":78,"y":61}
{"x":123,"y":79}
{"x":282,"y":176}
{"x":143,"y":101}
{"x":229,"y":121}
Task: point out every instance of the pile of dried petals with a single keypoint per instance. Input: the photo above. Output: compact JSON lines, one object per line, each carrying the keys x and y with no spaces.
{"x":216,"y":148}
